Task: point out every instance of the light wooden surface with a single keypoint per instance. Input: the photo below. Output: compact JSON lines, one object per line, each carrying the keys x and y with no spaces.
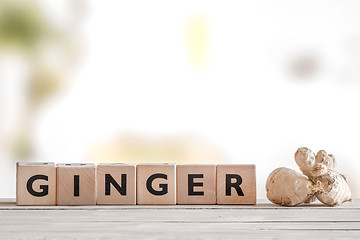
{"x":264,"y":220}
{"x":164,"y":187}
{"x":45,"y":185}
{"x":65,"y":184}
{"x":205,"y":183}
{"x":119,"y":172}
{"x":247,"y":175}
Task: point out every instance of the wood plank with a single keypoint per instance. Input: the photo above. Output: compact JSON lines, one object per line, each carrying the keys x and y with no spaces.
{"x":181,"y":216}
{"x":167,"y":230}
{"x":263,"y":220}
{"x":9,"y":203}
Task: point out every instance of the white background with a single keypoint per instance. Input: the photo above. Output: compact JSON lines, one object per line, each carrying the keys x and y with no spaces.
{"x":136,"y":76}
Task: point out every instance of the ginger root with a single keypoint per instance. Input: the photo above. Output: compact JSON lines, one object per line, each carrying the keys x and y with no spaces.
{"x":331,"y":187}
{"x":327,"y":159}
{"x":305,"y":159}
{"x":287,"y":187}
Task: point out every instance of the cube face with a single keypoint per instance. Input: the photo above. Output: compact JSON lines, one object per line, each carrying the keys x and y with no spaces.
{"x":236,"y":184}
{"x":196,"y":184}
{"x":76,"y":184}
{"x":116,"y":184}
{"x":35,"y":184}
{"x":156,"y":184}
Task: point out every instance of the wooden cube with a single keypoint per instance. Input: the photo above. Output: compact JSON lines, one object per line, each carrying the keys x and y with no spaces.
{"x":76,"y":184}
{"x":196,"y":184}
{"x":236,"y":184}
{"x":156,"y":184}
{"x":36,"y":183}
{"x":116,"y":183}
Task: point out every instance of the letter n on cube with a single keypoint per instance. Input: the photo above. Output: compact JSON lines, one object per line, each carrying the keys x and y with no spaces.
{"x":116,"y":183}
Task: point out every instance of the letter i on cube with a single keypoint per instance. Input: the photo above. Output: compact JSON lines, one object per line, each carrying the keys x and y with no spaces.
{"x":117,"y":184}
{"x":76,"y":184}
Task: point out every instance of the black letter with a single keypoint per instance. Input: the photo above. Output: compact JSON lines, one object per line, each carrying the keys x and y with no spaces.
{"x":235,"y":185}
{"x":191,"y":184}
{"x":110,"y":180}
{"x":164,"y":187}
{"x":76,"y":185}
{"x":44,"y":188}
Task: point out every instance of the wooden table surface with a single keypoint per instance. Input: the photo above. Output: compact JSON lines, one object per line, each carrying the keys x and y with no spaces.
{"x":264,"y":220}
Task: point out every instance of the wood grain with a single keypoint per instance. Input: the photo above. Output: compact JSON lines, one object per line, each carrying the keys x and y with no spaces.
{"x":204,"y":180}
{"x":263,"y":220}
{"x":66,"y":177}
{"x":164,"y":190}
{"x":47,"y":185}
{"x":118,"y":172}
{"x":247,"y":188}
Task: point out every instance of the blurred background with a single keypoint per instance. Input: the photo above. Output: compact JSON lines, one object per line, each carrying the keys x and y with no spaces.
{"x":243,"y":82}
